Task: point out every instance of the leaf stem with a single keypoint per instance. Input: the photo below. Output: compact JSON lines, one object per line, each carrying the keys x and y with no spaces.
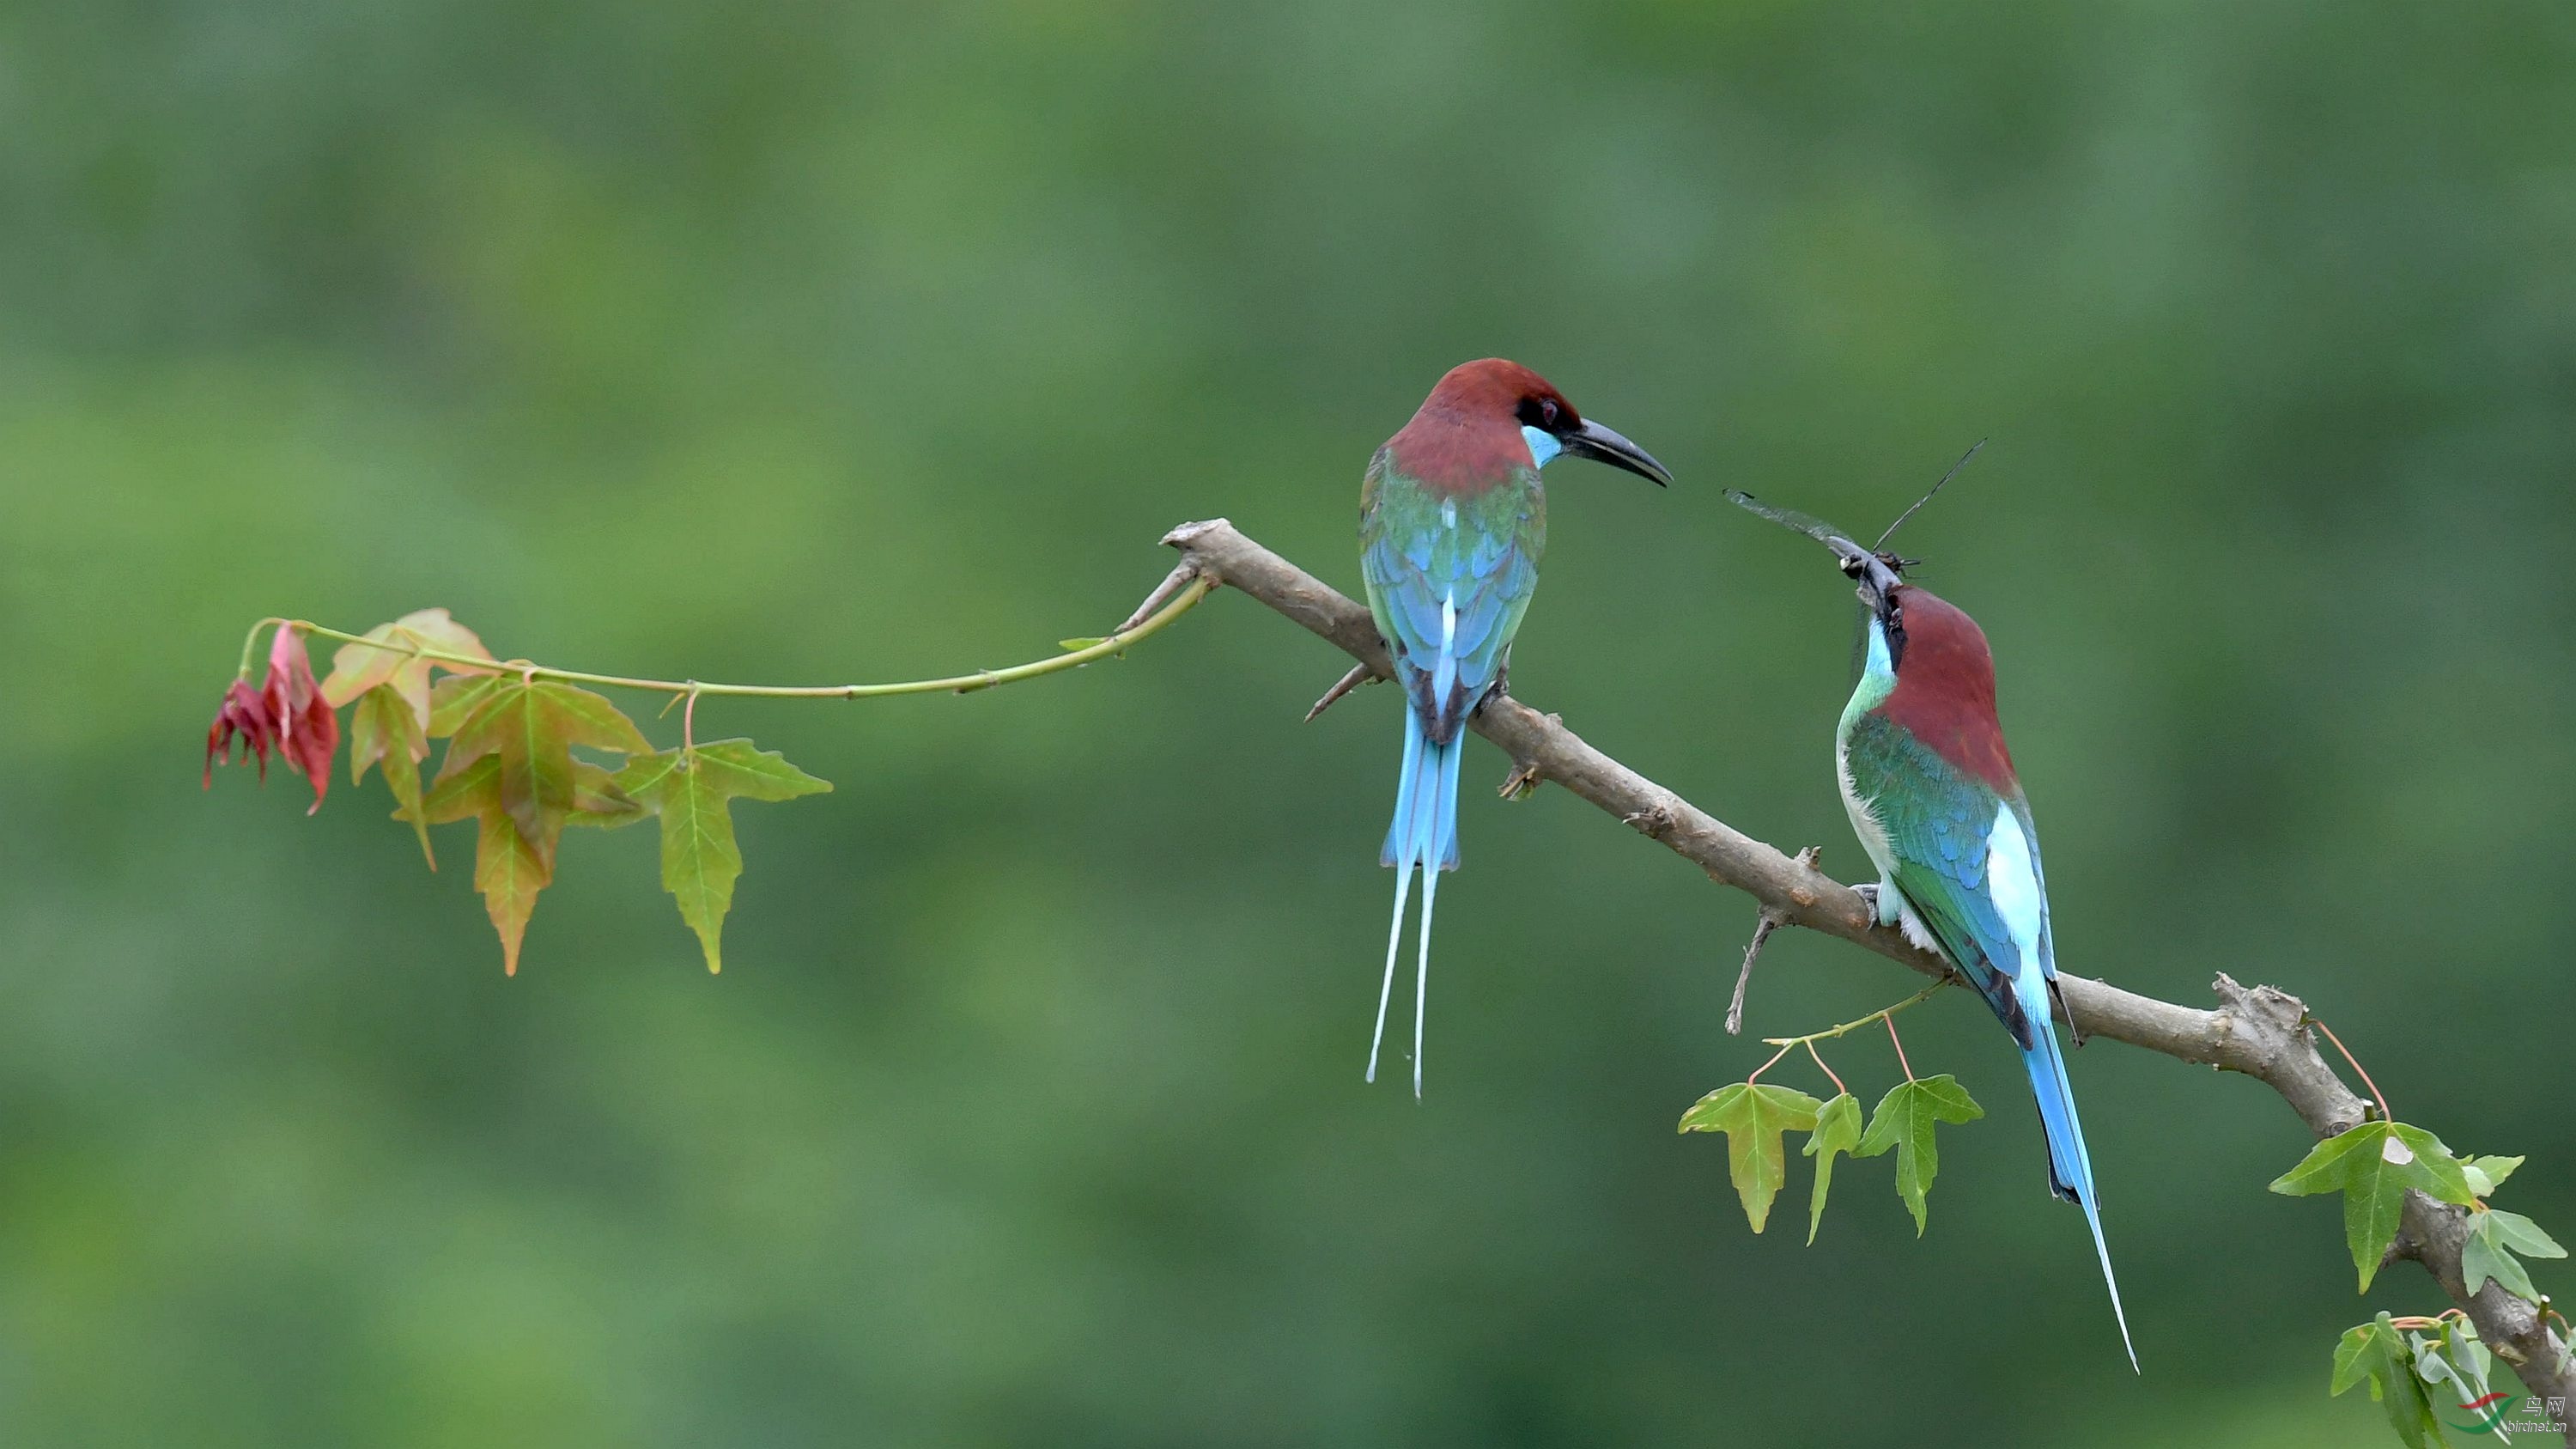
{"x":2384,"y":1114}
{"x":1890,"y":1019}
{"x":1828,"y":1071}
{"x":1882,"y":1014}
{"x":1117,"y":643}
{"x":1756,"y":1074}
{"x":250,"y":645}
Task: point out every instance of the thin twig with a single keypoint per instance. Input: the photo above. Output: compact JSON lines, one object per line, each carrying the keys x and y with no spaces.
{"x":1771,"y":921}
{"x":1762,"y":930}
{"x":1360,"y":674}
{"x":1856,"y":1023}
{"x":1187,"y":598}
{"x":1179,"y":578}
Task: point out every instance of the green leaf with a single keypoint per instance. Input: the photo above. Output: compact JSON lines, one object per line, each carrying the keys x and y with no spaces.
{"x":384,"y":731}
{"x":2376,"y":1351}
{"x":1753,"y":1115}
{"x":1837,"y":1130}
{"x":689,"y":789}
{"x":2433,"y":1366}
{"x":2372,"y":1166}
{"x":2494,"y":1238}
{"x":2354,"y":1357}
{"x":532,"y":727}
{"x":2453,"y":1355}
{"x":1904,"y":1120}
{"x":2523,"y":1235}
{"x":2486,"y":1174}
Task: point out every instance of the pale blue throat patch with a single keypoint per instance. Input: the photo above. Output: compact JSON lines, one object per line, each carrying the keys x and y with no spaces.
{"x":1877,"y":677}
{"x":1542,"y":445}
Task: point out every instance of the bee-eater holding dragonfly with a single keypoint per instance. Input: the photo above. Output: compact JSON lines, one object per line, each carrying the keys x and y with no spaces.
{"x":1452,"y":522}
{"x":1932,"y":795}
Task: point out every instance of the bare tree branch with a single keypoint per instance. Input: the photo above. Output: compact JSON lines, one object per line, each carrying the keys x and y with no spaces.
{"x":2258,"y":1031}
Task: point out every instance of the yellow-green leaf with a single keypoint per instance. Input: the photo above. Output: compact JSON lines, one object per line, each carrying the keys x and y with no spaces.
{"x":359,"y":668}
{"x":1837,"y":1130}
{"x":384,"y":731}
{"x":531,"y":726}
{"x":690,"y":789}
{"x":1753,"y":1115}
{"x":509,"y":869}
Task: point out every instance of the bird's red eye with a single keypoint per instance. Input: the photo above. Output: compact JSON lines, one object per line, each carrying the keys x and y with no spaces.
{"x":1547,"y":413}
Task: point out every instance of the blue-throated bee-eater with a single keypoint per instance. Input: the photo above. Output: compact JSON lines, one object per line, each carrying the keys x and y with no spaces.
{"x":1452,"y":522}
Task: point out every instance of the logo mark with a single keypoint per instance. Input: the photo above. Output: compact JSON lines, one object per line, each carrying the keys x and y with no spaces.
{"x":2491,"y":1410}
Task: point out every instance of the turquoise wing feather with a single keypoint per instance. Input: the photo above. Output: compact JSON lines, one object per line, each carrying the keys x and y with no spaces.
{"x":1449,"y":570}
{"x":1940,"y":824}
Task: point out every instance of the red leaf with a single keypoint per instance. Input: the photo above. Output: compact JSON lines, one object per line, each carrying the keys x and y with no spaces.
{"x":287,"y":713}
{"x":242,"y":720}
{"x":308,"y":729}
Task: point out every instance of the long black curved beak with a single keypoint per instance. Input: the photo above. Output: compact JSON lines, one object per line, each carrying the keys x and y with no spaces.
{"x":1604,"y":446}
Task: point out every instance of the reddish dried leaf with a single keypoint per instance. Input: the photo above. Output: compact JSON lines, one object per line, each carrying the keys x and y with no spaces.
{"x":308,"y":730}
{"x":240,"y":721}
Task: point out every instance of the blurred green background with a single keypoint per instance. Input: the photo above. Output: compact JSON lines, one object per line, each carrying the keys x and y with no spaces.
{"x":817,"y":342}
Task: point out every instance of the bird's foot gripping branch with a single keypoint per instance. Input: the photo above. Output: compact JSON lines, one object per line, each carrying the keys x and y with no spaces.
{"x":512,"y":728}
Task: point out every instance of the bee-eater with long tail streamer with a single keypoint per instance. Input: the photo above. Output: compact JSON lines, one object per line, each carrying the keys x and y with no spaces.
{"x":1452,"y":522}
{"x":1932,"y":795}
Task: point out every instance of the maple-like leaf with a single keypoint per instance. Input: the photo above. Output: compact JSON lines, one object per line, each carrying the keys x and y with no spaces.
{"x":2372,"y":1166}
{"x":2486,"y":1174}
{"x":359,"y":668}
{"x":597,"y":802}
{"x":383,"y":729}
{"x":1837,"y":1130}
{"x":509,"y":869}
{"x":530,"y":726}
{"x":690,"y":789}
{"x":1904,"y":1120}
{"x":1753,"y":1115}
{"x":2376,"y":1351}
{"x":287,"y":713}
{"x":2494,"y":1237}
